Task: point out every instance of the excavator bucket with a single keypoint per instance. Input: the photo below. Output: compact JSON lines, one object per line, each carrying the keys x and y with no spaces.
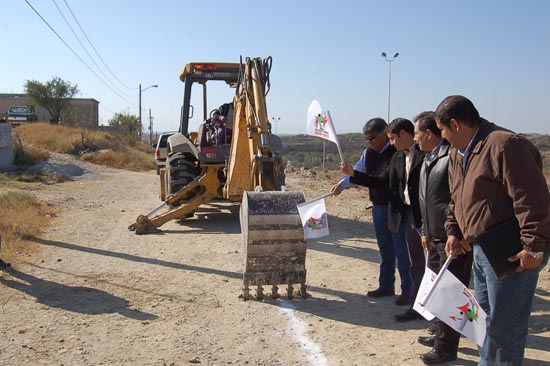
{"x":275,"y":248}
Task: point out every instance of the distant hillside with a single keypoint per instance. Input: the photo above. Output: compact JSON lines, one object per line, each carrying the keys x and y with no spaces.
{"x":307,"y":151}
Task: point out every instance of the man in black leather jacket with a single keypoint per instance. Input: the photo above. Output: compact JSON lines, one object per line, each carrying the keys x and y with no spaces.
{"x":434,"y":197}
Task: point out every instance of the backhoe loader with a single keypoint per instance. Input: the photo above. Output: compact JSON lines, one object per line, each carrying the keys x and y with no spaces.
{"x":244,"y":165}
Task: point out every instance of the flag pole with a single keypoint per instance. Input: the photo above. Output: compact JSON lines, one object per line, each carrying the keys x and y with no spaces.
{"x":437,"y":280}
{"x":316,"y":199}
{"x":324,"y":155}
{"x":338,"y":141}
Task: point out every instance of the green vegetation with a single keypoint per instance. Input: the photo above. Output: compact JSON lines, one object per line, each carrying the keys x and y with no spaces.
{"x":54,"y":95}
{"x":128,"y":124}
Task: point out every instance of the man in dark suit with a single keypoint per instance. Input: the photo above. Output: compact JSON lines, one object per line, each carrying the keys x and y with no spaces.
{"x":404,"y":218}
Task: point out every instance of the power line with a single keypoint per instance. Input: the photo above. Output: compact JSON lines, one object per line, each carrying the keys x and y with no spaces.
{"x":93,"y":47}
{"x":77,"y":56}
{"x":88,"y":53}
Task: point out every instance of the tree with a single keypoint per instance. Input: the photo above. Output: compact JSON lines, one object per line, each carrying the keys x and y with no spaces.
{"x":54,"y":95}
{"x":129,"y":124}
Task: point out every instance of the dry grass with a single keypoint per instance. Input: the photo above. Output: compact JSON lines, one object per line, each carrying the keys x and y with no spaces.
{"x":126,"y":159}
{"x":23,"y":217}
{"x":28,"y":155}
{"x":105,"y":148}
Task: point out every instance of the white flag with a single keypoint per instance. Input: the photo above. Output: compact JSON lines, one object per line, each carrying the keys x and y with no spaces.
{"x":313,"y":215}
{"x":319,"y":123}
{"x":455,"y":305}
{"x":423,"y":291}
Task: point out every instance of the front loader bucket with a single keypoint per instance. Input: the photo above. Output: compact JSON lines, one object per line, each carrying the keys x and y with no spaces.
{"x":275,"y":248}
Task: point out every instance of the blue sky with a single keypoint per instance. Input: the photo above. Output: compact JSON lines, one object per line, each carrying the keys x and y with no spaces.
{"x":494,"y":52}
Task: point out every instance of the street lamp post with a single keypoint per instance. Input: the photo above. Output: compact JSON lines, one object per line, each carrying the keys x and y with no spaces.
{"x":389,"y":79}
{"x":141,"y":91}
{"x":275,"y":121}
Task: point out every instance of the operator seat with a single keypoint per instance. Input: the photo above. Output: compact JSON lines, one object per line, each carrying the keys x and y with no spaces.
{"x":202,"y":140}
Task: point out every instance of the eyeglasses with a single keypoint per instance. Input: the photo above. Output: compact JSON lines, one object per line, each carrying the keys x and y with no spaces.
{"x":372,"y":137}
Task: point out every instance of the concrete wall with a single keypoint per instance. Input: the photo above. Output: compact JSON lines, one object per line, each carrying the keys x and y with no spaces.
{"x":6,"y":147}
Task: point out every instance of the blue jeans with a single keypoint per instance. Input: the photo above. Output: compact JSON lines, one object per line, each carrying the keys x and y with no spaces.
{"x":507,"y":301}
{"x":391,"y":246}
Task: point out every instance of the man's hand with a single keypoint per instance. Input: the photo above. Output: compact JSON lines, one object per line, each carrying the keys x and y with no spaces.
{"x":526,"y":261}
{"x":346,"y":168}
{"x":336,"y":189}
{"x":455,"y":246}
{"x":424,"y":240}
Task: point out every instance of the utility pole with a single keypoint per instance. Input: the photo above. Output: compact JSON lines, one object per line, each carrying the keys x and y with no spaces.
{"x":150,"y":128}
{"x":141,"y":91}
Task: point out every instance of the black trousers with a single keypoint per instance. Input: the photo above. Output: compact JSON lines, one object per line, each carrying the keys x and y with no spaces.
{"x":446,"y":337}
{"x":416,"y":253}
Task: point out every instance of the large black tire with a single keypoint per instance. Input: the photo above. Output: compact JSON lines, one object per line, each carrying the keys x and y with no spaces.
{"x":180,"y":172}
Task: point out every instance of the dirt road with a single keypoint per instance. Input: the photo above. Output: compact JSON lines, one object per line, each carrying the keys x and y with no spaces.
{"x":95,"y":293}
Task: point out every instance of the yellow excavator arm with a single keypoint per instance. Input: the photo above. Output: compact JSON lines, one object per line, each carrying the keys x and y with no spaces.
{"x":253,"y":164}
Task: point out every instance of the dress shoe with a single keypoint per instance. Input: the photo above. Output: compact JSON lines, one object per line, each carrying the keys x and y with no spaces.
{"x":428,"y":341}
{"x":408,"y":315}
{"x":432,"y":328}
{"x":380,"y":293}
{"x":435,"y":357}
{"x":403,"y":299}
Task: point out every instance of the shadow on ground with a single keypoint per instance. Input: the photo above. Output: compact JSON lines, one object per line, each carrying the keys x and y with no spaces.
{"x":78,"y":299}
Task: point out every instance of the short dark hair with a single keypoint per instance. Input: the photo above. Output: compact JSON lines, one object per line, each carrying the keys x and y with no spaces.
{"x":374,"y":125}
{"x":459,"y":108}
{"x":426,"y":121}
{"x":400,"y":124}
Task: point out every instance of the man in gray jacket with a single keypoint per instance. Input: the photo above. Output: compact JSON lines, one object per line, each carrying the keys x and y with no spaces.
{"x":434,"y":197}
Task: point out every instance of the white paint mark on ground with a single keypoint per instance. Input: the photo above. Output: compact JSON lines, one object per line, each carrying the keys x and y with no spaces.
{"x":299,"y":331}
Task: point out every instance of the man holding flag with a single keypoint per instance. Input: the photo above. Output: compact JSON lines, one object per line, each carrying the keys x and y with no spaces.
{"x":404,"y":218}
{"x":434,"y":198}
{"x":374,"y":161}
{"x":500,"y":203}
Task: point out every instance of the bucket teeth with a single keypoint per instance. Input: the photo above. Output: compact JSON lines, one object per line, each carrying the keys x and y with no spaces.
{"x":259,"y":292}
{"x":274,"y":292}
{"x":246,"y":293}
{"x":290,"y":291}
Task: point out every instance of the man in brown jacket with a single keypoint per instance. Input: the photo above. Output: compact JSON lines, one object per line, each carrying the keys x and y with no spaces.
{"x":499,"y":203}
